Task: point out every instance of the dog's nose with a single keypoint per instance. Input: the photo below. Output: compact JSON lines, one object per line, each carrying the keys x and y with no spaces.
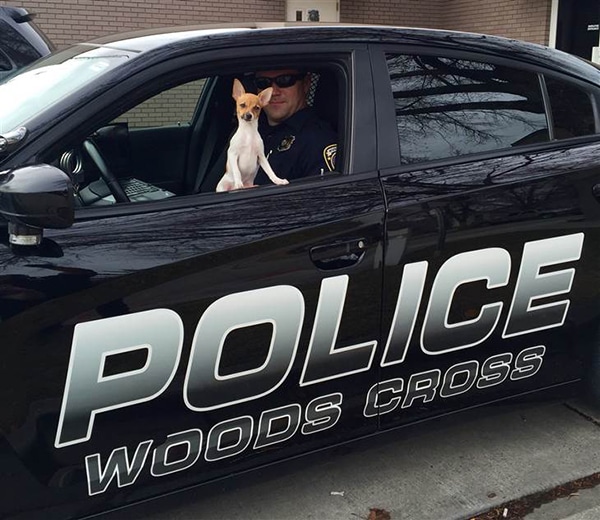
{"x":248,"y":116}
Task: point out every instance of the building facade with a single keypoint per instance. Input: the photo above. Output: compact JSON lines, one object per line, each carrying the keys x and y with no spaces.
{"x":568,"y":24}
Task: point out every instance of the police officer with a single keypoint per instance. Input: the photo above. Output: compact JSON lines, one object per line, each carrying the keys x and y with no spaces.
{"x":297,"y":143}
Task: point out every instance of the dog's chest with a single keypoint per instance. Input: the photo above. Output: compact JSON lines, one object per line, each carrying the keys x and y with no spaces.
{"x":248,"y":146}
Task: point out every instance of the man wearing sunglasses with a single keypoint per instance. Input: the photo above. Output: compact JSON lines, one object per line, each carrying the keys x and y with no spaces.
{"x":297,"y":142}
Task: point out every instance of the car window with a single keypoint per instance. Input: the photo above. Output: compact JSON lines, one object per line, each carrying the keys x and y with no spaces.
{"x":572,"y":111}
{"x":175,"y":106}
{"x":449,"y":107}
{"x":20,"y":49}
{"x":173,"y":140}
{"x":51,"y":80}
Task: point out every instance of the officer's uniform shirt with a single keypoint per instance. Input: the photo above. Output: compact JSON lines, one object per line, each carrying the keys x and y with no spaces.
{"x":300,"y":146}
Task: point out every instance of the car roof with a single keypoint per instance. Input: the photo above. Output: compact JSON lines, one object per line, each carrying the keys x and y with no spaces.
{"x":150,"y":38}
{"x":236,"y":34}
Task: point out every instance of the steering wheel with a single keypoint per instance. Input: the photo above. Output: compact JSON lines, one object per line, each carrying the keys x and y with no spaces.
{"x":108,"y":176}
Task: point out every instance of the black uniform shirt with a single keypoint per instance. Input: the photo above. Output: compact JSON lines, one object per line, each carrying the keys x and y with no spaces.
{"x":300,"y":146}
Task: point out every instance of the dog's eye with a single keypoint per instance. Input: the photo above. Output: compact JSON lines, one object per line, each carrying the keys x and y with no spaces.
{"x":243,"y":105}
{"x":257,"y":107}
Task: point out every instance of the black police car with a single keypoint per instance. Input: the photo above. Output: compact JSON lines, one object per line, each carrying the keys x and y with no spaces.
{"x":21,"y":41}
{"x":157,"y":335}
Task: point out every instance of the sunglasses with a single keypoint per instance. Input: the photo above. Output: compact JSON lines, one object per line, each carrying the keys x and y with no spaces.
{"x":282,"y":81}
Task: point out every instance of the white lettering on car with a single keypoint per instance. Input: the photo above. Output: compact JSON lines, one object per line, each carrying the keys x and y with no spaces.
{"x":124,"y":466}
{"x":158,"y":334}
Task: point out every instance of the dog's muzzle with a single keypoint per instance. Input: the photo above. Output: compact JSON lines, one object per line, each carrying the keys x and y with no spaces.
{"x":247,"y":116}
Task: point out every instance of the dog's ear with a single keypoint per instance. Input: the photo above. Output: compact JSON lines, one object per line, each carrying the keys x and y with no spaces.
{"x":265,"y":96}
{"x":238,"y":89}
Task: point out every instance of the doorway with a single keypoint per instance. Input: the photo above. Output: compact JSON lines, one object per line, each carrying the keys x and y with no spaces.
{"x":578,"y":26}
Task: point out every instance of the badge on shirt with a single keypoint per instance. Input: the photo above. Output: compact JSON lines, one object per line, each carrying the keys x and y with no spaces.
{"x":329,"y":156}
{"x":286,"y":143}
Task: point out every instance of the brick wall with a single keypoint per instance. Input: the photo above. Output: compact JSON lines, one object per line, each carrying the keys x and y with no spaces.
{"x":408,"y":13}
{"x":70,"y":21}
{"x":172,"y":107}
{"x":521,"y":19}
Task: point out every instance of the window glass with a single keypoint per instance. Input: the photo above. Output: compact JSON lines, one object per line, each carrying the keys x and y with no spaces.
{"x":572,"y":111}
{"x":51,"y":80}
{"x":16,"y":45}
{"x":448,"y":107}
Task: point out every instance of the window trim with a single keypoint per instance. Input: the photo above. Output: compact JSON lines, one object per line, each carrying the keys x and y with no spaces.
{"x":4,"y":57}
{"x":547,"y":106}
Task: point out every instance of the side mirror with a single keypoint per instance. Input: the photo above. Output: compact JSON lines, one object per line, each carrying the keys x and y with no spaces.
{"x":33,"y":198}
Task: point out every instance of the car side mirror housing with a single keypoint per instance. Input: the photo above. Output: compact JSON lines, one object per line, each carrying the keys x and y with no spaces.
{"x":33,"y":198}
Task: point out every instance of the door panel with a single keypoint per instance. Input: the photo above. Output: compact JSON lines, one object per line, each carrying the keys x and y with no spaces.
{"x":502,"y":298}
{"x":191,"y":343}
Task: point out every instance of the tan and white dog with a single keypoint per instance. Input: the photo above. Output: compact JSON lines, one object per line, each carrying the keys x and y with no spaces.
{"x":246,"y":148}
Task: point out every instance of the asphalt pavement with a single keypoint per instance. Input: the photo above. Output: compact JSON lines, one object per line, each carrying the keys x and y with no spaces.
{"x":508,"y":461}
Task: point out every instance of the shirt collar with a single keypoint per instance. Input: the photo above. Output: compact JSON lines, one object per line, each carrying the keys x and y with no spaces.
{"x":293,"y":123}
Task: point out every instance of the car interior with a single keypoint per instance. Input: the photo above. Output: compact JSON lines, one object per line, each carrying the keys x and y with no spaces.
{"x":146,"y":158}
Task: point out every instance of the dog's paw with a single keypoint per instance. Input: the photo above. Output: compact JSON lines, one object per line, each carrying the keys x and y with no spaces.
{"x":282,"y":182}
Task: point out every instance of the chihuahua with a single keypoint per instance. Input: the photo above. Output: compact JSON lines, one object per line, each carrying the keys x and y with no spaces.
{"x":246,"y":148}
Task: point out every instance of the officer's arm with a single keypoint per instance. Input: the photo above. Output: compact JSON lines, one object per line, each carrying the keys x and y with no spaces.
{"x":320,"y":159}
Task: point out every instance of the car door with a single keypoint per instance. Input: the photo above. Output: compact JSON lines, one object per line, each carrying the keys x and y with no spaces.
{"x":491,"y":183}
{"x":159,"y":345}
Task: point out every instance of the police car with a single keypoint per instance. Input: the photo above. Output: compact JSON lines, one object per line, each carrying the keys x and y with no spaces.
{"x":158,"y":335}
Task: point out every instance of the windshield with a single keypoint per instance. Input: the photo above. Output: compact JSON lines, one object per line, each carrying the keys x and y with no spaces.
{"x":50,"y":80}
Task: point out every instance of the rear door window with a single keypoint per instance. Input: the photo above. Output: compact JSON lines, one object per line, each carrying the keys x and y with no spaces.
{"x":450,"y":107}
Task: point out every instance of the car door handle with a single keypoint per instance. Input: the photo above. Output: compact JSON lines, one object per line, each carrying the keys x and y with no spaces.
{"x":339,"y":255}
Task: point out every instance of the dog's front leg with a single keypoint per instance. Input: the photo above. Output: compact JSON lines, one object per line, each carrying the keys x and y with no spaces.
{"x":234,"y":167}
{"x":262,"y":160}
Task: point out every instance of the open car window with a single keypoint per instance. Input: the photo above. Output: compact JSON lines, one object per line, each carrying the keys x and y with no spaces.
{"x":174,"y":142}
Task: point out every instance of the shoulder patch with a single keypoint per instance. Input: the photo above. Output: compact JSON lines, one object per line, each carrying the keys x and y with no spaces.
{"x":329,"y":153}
